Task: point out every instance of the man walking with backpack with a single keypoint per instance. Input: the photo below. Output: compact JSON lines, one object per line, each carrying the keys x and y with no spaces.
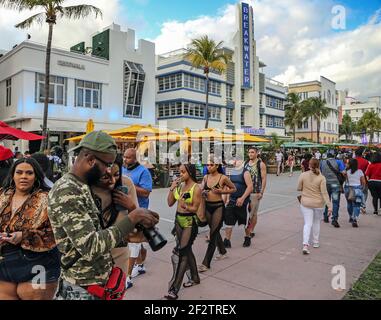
{"x":332,"y":171}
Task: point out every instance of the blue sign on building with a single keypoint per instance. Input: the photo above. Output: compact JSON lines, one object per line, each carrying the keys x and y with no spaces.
{"x":246,"y":83}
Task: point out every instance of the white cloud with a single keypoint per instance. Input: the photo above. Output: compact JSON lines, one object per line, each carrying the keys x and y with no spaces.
{"x":295,"y":40}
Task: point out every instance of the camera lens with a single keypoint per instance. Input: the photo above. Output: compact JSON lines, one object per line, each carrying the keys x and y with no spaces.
{"x":154,"y":237}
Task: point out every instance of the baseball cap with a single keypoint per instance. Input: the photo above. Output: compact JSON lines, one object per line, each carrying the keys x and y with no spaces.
{"x":98,"y":141}
{"x":5,"y":153}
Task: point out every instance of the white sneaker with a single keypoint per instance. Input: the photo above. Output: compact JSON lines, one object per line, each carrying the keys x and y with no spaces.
{"x":316,"y":245}
{"x":129,"y":283}
{"x":221,"y":257}
{"x":305,"y":250}
{"x":135,"y":271}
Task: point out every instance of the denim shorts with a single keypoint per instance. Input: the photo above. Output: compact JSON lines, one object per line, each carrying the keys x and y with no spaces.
{"x":18,"y":265}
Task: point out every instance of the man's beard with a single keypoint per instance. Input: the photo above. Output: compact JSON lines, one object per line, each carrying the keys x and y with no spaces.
{"x":94,"y":175}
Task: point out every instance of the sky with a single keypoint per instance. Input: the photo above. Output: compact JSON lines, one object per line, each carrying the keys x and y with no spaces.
{"x":298,"y":40}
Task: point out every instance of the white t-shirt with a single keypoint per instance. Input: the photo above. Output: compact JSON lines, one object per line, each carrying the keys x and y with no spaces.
{"x":354,"y":179}
{"x":317,"y":155}
{"x":279,"y":156}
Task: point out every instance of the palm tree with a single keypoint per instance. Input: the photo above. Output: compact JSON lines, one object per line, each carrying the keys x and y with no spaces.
{"x":316,"y":108}
{"x":347,"y":127}
{"x":293,"y":113}
{"x":370,"y":122}
{"x":205,"y":53}
{"x":50,"y":10}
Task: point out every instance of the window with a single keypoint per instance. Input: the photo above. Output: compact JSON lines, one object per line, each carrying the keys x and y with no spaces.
{"x":134,"y":77}
{"x":329,"y":96}
{"x":88,"y":94}
{"x":242,"y":95}
{"x":305,"y":125}
{"x":214,"y":87}
{"x":229,"y":116}
{"x":269,"y":121}
{"x":229,"y":92}
{"x":274,"y":122}
{"x":193,"y":82}
{"x":57,"y":89}
{"x":172,"y":81}
{"x":8,"y":86}
{"x":179,"y":108}
{"x":214,"y":113}
{"x":260,"y":100}
{"x":242,"y":116}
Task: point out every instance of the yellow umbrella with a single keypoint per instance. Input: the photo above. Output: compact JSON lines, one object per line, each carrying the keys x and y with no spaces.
{"x":89,"y":126}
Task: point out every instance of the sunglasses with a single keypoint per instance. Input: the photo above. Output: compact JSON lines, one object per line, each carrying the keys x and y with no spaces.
{"x":108,"y":165}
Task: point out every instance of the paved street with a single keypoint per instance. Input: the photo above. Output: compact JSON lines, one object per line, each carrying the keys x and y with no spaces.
{"x":273,"y":267}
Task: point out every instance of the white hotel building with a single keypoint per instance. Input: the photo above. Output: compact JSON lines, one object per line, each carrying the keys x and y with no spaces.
{"x":114,"y":85}
{"x":238,"y":98}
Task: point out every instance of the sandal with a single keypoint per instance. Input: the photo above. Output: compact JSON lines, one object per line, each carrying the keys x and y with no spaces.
{"x":171,"y":296}
{"x":202,"y":268}
{"x":190,"y":283}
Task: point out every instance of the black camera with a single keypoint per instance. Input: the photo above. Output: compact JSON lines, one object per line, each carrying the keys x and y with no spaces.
{"x":153,"y":236}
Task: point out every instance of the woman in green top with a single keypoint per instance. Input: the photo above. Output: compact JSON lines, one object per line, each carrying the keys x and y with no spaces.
{"x":187,"y":193}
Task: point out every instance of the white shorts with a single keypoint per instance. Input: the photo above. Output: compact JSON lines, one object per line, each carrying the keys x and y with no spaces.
{"x":135,"y":248}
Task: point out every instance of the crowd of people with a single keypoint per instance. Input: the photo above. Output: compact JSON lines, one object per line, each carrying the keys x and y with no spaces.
{"x":323,"y":181}
{"x":88,"y":228}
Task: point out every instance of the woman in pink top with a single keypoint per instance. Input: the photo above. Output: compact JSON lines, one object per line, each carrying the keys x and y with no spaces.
{"x":291,"y":162}
{"x":373,"y":173}
{"x":313,"y":186}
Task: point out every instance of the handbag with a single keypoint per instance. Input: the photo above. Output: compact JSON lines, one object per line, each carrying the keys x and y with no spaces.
{"x":114,"y":289}
{"x":351,"y":192}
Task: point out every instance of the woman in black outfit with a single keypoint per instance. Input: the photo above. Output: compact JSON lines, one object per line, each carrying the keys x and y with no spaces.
{"x":214,"y":185}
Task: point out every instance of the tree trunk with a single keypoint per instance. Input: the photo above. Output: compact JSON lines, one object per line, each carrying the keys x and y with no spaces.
{"x":318,"y":130}
{"x":312,"y":134}
{"x":44,"y":142}
{"x":207,"y":102}
{"x":294,"y":133}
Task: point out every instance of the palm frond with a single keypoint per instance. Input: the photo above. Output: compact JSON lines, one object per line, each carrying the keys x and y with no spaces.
{"x":80,"y":11}
{"x":20,"y":5}
{"x":38,"y":18}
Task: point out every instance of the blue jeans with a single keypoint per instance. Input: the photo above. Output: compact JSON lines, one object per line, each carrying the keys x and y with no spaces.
{"x":353,"y":207}
{"x":334,"y":194}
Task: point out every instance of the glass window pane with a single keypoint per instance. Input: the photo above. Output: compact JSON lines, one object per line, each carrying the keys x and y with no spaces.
{"x":80,"y":97}
{"x":80,"y":83}
{"x":95,"y":99}
{"x":60,"y":95}
{"x":137,"y":111}
{"x":88,"y":98}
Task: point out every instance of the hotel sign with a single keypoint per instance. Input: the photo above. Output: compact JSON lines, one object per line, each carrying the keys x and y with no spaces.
{"x":253,"y":131}
{"x":71,"y":64}
{"x":245,"y":46}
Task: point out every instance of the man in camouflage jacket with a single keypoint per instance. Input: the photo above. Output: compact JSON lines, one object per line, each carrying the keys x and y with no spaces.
{"x":85,"y":247}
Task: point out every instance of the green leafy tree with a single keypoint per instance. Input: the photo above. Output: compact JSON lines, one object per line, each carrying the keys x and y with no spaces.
{"x":208,"y":55}
{"x":347,"y":127}
{"x":50,"y":11}
{"x":315,"y":108}
{"x":369,"y":123}
{"x":293,"y":112}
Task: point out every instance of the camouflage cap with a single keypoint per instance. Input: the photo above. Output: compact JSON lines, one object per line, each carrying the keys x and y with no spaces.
{"x":98,"y":141}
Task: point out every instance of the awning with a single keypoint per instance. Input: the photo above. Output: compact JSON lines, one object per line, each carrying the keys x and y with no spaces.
{"x":10,"y":133}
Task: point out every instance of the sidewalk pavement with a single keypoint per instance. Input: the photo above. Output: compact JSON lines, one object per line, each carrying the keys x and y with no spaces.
{"x":273,"y":267}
